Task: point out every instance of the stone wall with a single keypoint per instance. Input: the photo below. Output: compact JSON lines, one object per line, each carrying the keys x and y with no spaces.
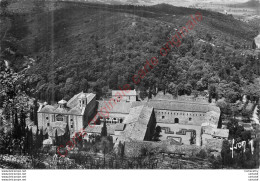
{"x":134,"y":149}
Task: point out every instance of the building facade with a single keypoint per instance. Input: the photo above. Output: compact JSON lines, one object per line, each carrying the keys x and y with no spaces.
{"x":120,"y":96}
{"x":76,"y":113}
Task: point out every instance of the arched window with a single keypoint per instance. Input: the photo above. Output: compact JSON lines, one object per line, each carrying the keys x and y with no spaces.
{"x":190,"y":119}
{"x":162,"y":117}
{"x":176,"y":120}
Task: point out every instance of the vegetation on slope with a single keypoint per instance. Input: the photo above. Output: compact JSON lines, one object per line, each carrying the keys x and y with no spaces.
{"x":94,"y":47}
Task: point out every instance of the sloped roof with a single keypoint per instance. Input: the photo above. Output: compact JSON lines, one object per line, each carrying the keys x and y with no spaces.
{"x":48,"y":109}
{"x":139,"y":114}
{"x":98,"y":128}
{"x":52,"y":132}
{"x":128,"y":93}
{"x":178,"y":106}
{"x":73,"y":102}
{"x":75,"y":110}
{"x":120,"y":127}
{"x":94,"y":129}
{"x":61,"y":110}
{"x":136,"y":123}
{"x":117,"y":107}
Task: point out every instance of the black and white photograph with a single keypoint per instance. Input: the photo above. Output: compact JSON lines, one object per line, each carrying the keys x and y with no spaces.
{"x":129,"y":85}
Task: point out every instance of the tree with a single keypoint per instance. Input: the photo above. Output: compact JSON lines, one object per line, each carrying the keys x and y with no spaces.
{"x":15,"y":99}
{"x":104,"y":130}
{"x":235,"y":130}
{"x":56,"y":138}
{"x":253,"y":45}
{"x":156,"y":135}
{"x":3,"y":5}
{"x":226,"y":154}
{"x":106,"y":145}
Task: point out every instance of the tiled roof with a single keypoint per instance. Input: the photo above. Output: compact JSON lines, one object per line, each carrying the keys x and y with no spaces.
{"x":52,"y":132}
{"x":139,"y":114}
{"x":120,"y":127}
{"x":136,"y":123}
{"x":98,"y":128}
{"x":75,"y":110}
{"x":118,"y":107}
{"x":61,"y":110}
{"x":74,"y":100}
{"x":94,"y":129}
{"x":128,"y":93}
{"x":48,"y":109}
{"x":177,"y":106}
{"x":72,"y":103}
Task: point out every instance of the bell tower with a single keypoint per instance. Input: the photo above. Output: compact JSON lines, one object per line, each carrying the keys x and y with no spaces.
{"x":82,"y":100}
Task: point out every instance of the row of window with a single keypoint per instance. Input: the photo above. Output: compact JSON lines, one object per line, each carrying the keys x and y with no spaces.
{"x":181,"y":114}
{"x":176,"y":120}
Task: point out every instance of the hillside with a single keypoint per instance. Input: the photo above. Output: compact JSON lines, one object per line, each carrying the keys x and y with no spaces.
{"x":255,"y":4}
{"x":95,"y":47}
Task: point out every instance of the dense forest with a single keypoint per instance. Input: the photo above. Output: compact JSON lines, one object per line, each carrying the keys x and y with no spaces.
{"x":95,"y":48}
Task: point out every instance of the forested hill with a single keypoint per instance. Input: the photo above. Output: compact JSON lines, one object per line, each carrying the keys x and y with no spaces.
{"x":95,"y":47}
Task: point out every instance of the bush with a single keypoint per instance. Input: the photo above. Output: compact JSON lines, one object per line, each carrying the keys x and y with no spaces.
{"x":202,"y":154}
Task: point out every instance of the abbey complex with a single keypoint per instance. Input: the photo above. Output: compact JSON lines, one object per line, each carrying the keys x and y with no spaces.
{"x":185,"y":120}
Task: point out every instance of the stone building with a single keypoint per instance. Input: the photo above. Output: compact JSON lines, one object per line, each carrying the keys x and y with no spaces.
{"x":115,"y":113}
{"x":76,"y":113}
{"x":182,"y":120}
{"x":129,"y":96}
{"x":139,"y":124}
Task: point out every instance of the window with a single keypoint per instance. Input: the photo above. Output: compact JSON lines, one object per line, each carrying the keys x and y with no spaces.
{"x":59,"y":117}
{"x":47,"y":118}
{"x":162,"y":117}
{"x":83,"y":102}
{"x":48,"y":124}
{"x":176,"y":120}
{"x":71,"y":126}
{"x":190,"y":119}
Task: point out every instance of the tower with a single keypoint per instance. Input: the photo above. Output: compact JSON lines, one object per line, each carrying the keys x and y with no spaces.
{"x":82,"y":100}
